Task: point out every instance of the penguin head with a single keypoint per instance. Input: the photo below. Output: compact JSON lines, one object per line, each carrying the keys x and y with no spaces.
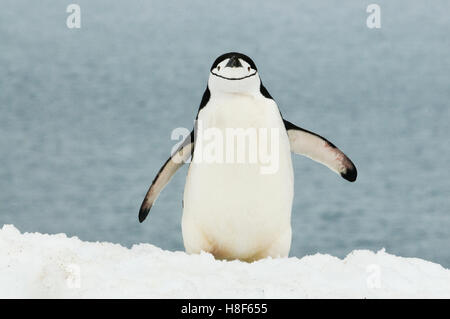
{"x":234,"y":73}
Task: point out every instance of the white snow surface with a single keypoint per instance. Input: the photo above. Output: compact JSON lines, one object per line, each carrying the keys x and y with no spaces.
{"x":34,"y":265}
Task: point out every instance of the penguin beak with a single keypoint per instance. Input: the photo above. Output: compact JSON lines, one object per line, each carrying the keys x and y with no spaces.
{"x":233,"y":62}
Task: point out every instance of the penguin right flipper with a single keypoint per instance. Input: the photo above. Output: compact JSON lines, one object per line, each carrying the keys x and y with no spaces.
{"x":165,"y":174}
{"x":321,"y":150}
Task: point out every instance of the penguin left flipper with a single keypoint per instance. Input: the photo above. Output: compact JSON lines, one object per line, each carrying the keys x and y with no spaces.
{"x":321,"y":150}
{"x":165,"y":174}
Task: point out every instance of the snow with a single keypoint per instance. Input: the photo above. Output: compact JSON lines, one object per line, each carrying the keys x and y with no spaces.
{"x":34,"y":265}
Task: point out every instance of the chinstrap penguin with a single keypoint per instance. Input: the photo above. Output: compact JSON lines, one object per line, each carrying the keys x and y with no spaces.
{"x":232,"y":209}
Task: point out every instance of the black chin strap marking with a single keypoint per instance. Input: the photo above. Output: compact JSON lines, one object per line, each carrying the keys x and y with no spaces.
{"x":244,"y":77}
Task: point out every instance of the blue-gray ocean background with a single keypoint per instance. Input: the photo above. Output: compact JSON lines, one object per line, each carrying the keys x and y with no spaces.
{"x":86,"y":115}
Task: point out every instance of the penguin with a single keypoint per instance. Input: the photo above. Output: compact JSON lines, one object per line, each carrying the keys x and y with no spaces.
{"x":233,"y":209}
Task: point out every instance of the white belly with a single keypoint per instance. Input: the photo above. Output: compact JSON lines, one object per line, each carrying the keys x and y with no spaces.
{"x":234,"y":210}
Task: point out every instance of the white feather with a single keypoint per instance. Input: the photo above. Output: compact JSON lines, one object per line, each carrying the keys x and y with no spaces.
{"x":232,"y":210}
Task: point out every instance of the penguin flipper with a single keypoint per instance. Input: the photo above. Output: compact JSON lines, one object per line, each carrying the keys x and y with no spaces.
{"x":321,"y":150}
{"x":165,"y":174}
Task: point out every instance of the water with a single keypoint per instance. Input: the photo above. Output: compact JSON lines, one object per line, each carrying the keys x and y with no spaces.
{"x":86,"y":115}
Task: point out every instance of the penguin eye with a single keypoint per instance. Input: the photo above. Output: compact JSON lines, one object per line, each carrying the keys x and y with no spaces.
{"x":218,"y":68}
{"x":248,"y":69}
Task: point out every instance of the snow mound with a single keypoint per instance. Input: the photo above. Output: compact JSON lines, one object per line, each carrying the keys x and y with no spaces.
{"x":34,"y":265}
